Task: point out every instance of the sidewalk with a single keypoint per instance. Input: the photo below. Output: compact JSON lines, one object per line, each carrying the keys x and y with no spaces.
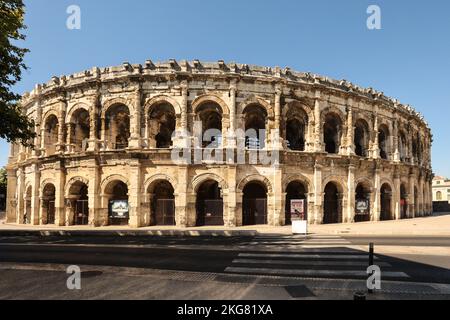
{"x":429,"y":226}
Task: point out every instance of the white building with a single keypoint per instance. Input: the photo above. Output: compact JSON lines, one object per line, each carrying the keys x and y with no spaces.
{"x":441,"y":189}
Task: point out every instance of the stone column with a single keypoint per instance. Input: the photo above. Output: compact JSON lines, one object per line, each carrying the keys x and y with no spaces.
{"x":93,"y":124}
{"x":278,"y":197}
{"x":135,"y":139}
{"x":94,"y":198}
{"x":20,"y":194}
{"x":276,"y":135}
{"x":134,"y":196}
{"x":62,"y":126}
{"x":70,"y":147}
{"x":412,"y":198}
{"x":396,"y":143}
{"x":396,"y":198}
{"x":231,"y":217}
{"x":231,"y":139}
{"x":350,"y":129}
{"x":377,"y":198}
{"x":70,"y":210}
{"x":350,"y":209}
{"x":60,"y":182}
{"x":181,"y":201}
{"x":376,"y":148}
{"x":37,"y":129}
{"x":318,"y":195}
{"x":318,"y":138}
{"x":11,"y":201}
{"x":36,"y":182}
{"x":104,"y":143}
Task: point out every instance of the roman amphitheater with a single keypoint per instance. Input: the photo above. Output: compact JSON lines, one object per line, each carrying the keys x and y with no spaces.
{"x":104,"y":150}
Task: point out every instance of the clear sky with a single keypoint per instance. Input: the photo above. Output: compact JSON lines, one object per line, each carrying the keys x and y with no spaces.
{"x":409,"y":58}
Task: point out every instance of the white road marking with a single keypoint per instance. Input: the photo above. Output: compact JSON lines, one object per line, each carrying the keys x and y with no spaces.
{"x":312,"y":273}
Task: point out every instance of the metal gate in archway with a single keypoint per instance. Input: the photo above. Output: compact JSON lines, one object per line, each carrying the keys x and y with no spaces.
{"x":255,"y":211}
{"x":210,"y":213}
{"x":82,"y":212}
{"x":164,"y":212}
{"x":50,"y":206}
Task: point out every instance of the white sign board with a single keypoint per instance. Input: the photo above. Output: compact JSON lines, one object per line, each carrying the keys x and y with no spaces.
{"x":300,"y":227}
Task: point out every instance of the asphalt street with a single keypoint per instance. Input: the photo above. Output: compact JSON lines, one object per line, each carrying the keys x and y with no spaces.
{"x":333,"y":257}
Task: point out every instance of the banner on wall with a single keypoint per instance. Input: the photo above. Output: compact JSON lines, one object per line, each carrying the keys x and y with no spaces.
{"x":119,"y":209}
{"x":298,"y":209}
{"x":362,"y":207}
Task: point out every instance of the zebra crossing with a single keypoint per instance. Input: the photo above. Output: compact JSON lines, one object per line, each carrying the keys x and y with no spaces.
{"x":317,"y":256}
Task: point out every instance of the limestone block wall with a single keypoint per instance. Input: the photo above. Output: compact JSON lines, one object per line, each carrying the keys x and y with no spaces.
{"x":110,"y":128}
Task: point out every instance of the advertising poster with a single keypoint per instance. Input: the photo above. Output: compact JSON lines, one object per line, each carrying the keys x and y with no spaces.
{"x":118,"y":209}
{"x":297,"y":209}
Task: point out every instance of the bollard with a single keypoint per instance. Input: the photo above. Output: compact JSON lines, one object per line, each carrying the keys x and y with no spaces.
{"x":359,"y":296}
{"x":371,"y":252}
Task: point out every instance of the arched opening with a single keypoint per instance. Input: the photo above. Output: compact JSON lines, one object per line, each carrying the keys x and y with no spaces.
{"x":403,"y":147}
{"x":295,"y":134}
{"x":403,"y":202}
{"x":210,"y":115}
{"x":118,"y":206}
{"x":162,"y":122}
{"x":162,"y":201}
{"x":332,"y":133}
{"x":439,"y":196}
{"x":27,"y":212}
{"x":362,"y":203}
{"x":80,"y":130}
{"x":51,"y":129}
{"x":383,"y":142}
{"x":209,"y":204}
{"x":117,"y":126}
{"x":332,"y":206}
{"x":416,"y":149}
{"x":255,"y":126}
{"x":296,"y":202}
{"x":254,"y":206}
{"x":386,"y":199}
{"x":78,"y":195}
{"x":48,"y":204}
{"x":361,"y":138}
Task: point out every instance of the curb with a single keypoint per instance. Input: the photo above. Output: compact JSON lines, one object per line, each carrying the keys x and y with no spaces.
{"x":129,"y":233}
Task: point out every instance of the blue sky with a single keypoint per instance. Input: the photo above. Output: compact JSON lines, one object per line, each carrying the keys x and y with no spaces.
{"x":408,"y":59}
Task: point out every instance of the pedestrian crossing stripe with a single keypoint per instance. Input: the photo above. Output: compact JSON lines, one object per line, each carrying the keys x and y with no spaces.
{"x":309,"y":263}
{"x":312,"y":273}
{"x":307,"y":256}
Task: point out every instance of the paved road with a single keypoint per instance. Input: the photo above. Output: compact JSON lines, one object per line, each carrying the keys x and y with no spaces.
{"x":331,"y":257}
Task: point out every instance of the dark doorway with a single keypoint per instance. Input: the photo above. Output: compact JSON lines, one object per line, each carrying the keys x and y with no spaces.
{"x":254,"y":206}
{"x":296,"y":191}
{"x":118,"y":205}
{"x":82,"y":207}
{"x":49,"y":203}
{"x":209,"y":204}
{"x":386,"y":198}
{"x":163,"y":205}
{"x":331,"y":205}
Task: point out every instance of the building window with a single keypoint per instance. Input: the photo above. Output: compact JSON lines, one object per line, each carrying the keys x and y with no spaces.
{"x":439,"y":196}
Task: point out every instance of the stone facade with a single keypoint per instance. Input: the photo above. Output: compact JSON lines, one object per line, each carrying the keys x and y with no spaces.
{"x":106,"y":134}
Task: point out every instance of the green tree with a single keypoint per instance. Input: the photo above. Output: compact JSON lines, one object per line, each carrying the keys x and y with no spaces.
{"x":14,"y":125}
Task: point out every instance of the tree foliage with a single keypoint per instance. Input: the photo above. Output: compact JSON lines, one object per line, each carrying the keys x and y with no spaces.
{"x":14,"y":125}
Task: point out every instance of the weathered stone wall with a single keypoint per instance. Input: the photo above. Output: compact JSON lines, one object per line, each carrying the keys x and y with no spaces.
{"x":233,"y":89}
